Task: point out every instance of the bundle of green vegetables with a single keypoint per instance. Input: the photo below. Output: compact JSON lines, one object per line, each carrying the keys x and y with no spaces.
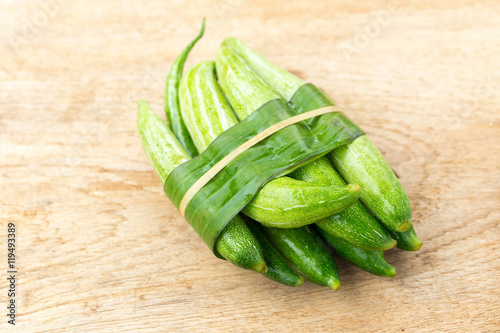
{"x":281,"y":204}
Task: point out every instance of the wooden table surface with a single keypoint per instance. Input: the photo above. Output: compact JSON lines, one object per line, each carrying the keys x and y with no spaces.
{"x":101,"y":249}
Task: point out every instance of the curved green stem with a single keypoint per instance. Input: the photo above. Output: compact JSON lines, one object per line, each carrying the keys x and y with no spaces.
{"x":172,"y":108}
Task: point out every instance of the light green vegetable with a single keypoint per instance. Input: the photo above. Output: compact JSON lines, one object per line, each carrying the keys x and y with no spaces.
{"x":360,"y":161}
{"x":161,"y":146}
{"x":204,"y":108}
{"x":291,"y":203}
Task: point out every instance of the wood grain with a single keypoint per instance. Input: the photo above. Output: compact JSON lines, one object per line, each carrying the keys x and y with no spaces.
{"x":101,"y":249}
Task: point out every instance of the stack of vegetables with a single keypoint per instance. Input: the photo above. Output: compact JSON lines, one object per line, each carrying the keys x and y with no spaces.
{"x":283,"y":205}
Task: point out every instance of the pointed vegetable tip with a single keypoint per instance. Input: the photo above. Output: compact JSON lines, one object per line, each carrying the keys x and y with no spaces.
{"x":299,"y":282}
{"x":260,"y":267}
{"x":390,"y":272}
{"x":334,"y":284}
{"x":416,"y":244}
{"x":407,"y":240}
{"x":405,"y":226}
{"x":390,"y":245}
{"x":244,"y":89}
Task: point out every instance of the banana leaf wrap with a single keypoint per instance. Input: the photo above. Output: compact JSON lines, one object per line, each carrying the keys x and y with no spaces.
{"x":230,"y":190}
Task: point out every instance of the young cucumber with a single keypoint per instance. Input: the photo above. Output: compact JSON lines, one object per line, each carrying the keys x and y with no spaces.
{"x":370,"y":261}
{"x":236,"y":243}
{"x":278,"y":269}
{"x":303,"y":248}
{"x":358,"y":161}
{"x":407,"y":240}
{"x":291,"y":203}
{"x":355,"y":225}
{"x":283,"y":202}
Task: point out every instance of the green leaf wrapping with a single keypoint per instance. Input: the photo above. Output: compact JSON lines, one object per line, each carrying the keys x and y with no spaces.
{"x":231,"y":189}
{"x":308,"y":97}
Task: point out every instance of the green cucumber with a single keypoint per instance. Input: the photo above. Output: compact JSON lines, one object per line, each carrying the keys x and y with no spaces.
{"x":370,"y":261}
{"x":407,"y":240}
{"x":204,"y":108}
{"x":278,"y":269}
{"x":355,"y":225}
{"x":291,"y":203}
{"x":161,"y":146}
{"x":236,"y":243}
{"x":283,"y":202}
{"x":360,"y":161}
{"x":282,"y":81}
{"x":357,"y":162}
{"x":303,"y":248}
{"x":244,"y":90}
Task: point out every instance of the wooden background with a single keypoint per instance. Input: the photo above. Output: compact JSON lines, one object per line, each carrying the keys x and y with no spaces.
{"x":100,"y":247}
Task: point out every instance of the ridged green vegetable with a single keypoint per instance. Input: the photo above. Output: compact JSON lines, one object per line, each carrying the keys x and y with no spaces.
{"x":244,"y":90}
{"x":283,"y":202}
{"x":370,"y":261}
{"x":291,"y":203}
{"x":355,"y":225}
{"x":236,"y":243}
{"x":407,"y":240}
{"x":358,"y":161}
{"x":204,"y":108}
{"x":282,"y":81}
{"x":278,"y":269}
{"x":161,"y":146}
{"x":172,"y":109}
{"x":303,"y":248}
